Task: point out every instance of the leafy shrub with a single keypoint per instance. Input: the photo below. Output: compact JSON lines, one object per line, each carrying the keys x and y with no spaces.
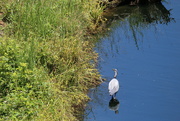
{"x":21,"y":88}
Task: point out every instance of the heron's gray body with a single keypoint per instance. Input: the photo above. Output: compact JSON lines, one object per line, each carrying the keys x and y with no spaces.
{"x":113,"y":85}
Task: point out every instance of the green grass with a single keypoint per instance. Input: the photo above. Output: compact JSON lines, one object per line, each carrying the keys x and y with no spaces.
{"x":46,"y":58}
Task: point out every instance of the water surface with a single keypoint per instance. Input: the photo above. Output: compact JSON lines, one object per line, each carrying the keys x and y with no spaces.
{"x":144,"y":45}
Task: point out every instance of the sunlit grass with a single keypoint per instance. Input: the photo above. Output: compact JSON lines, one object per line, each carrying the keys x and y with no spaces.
{"x":46,"y":58}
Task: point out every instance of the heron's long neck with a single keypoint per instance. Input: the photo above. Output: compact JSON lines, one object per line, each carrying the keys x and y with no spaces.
{"x":115,"y":74}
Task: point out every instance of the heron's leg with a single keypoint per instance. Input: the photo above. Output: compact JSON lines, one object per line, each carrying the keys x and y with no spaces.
{"x":115,"y":95}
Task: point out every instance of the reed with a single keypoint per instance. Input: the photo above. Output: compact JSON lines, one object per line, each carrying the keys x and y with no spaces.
{"x":46,"y":59}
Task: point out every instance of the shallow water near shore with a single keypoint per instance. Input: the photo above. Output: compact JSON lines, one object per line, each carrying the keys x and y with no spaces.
{"x":145,"y":48}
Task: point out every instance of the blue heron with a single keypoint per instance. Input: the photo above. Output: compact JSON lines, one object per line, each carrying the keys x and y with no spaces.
{"x":114,"y":85}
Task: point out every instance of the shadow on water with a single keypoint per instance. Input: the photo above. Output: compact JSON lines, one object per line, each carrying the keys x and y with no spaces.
{"x":146,"y":14}
{"x":114,"y":105}
{"x":133,"y":21}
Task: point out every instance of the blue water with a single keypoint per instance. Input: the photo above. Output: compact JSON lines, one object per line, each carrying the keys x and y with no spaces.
{"x":149,"y":71}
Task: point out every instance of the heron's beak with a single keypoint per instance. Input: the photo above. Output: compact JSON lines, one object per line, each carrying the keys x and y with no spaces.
{"x":113,"y":69}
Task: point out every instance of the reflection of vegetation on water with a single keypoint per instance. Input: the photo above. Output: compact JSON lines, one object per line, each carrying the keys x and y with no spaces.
{"x":139,"y":17}
{"x":146,"y":16}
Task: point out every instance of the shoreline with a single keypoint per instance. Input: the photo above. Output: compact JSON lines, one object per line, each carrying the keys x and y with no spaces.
{"x":46,"y":70}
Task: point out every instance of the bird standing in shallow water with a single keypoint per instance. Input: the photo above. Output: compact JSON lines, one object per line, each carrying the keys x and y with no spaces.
{"x":113,"y":85}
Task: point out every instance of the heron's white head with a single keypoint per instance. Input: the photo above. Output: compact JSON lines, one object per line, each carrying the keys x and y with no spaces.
{"x":115,"y":72}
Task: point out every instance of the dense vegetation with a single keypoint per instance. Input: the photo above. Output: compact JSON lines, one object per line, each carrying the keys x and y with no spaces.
{"x":46,"y":58}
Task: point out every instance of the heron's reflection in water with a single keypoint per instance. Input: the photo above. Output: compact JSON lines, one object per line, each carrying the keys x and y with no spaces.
{"x":114,"y":105}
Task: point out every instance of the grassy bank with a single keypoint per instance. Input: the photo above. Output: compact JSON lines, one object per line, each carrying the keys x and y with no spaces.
{"x":46,"y":58}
